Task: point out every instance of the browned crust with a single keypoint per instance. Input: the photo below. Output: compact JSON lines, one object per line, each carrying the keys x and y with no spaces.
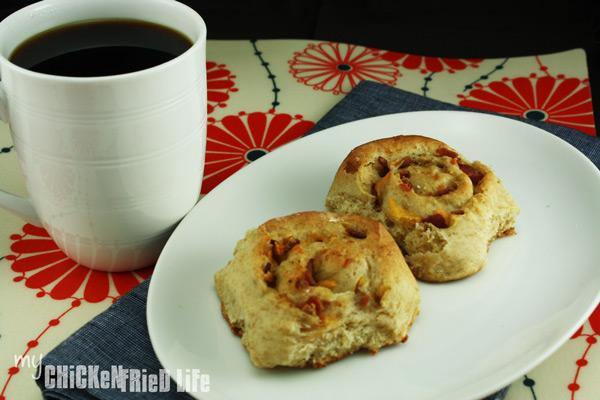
{"x":386,"y":147}
{"x":235,"y":328}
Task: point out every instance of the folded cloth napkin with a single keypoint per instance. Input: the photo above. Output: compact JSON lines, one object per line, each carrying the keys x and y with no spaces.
{"x":118,"y":338}
{"x":115,"y":341}
{"x":372,"y":99}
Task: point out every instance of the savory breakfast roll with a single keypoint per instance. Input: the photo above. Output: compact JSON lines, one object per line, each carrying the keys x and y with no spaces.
{"x":311,"y":288}
{"x":442,"y":210}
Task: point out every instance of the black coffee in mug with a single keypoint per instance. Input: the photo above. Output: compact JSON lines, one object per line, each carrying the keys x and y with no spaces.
{"x":100,"y":48}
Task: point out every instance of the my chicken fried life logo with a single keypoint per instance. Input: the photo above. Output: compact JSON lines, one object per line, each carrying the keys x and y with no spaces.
{"x":131,"y":380}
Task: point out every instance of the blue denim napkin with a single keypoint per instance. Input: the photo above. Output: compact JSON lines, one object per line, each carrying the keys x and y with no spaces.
{"x":118,"y":338}
{"x":372,"y":99}
{"x":115,"y":341}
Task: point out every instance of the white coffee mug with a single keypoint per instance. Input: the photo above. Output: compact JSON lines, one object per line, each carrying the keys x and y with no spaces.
{"x":111,"y":163}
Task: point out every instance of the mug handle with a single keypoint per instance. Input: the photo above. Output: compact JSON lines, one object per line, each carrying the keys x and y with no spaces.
{"x":20,"y":206}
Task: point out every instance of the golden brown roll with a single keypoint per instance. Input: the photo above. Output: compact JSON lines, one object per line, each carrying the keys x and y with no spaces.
{"x":313,"y":287}
{"x":442,"y":210}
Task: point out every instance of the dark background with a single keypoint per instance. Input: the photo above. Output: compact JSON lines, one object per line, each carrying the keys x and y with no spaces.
{"x":459,"y":29}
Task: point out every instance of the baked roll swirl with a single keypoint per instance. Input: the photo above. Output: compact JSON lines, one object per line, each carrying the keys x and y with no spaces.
{"x":313,"y":287}
{"x":442,"y":210}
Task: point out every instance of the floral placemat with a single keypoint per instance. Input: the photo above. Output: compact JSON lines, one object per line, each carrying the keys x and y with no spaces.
{"x":261,"y":95}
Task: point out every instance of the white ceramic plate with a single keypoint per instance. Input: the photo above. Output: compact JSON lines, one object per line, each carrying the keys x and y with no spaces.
{"x":473,"y":336}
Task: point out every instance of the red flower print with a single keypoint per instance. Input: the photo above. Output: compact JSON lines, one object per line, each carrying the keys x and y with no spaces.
{"x":430,"y":64}
{"x":238,"y":140}
{"x":594,"y":321}
{"x":338,"y":67}
{"x":219,"y":82}
{"x":43,"y":266}
{"x":563,"y":101}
